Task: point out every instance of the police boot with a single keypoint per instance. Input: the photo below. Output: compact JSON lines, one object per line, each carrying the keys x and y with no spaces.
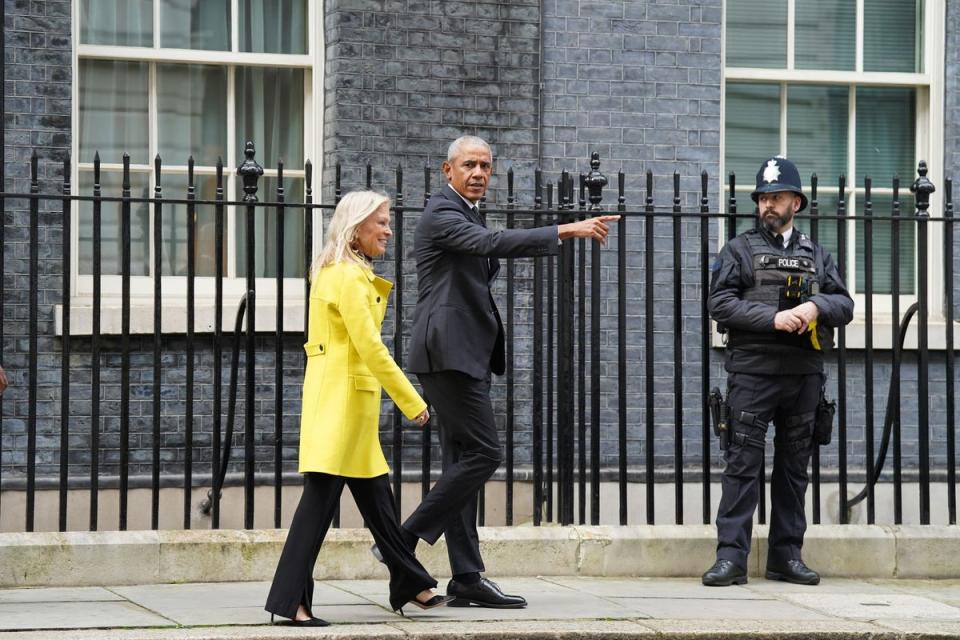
{"x":724,"y":573}
{"x":794,"y":571}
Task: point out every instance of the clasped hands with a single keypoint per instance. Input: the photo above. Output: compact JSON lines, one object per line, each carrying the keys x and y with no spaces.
{"x":423,"y":418}
{"x":796,"y":320}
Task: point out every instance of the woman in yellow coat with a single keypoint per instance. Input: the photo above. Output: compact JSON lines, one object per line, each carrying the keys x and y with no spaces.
{"x":347,"y":364}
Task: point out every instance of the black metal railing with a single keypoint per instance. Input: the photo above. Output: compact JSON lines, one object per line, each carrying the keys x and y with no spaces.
{"x":590,"y":309}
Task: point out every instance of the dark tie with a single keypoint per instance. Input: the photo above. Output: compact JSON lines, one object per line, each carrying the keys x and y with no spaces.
{"x":476,"y":212}
{"x":779,"y":240}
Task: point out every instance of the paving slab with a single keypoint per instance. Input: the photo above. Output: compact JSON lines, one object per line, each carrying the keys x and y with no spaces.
{"x":714,"y":608}
{"x":654,"y":588}
{"x":58,"y":594}
{"x":77,"y":615}
{"x":777,"y":588}
{"x":947,"y":591}
{"x":546,"y":600}
{"x":241,"y":603}
{"x":876,"y":606}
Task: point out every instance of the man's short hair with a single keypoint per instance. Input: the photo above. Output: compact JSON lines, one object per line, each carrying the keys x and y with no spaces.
{"x":466,"y":141}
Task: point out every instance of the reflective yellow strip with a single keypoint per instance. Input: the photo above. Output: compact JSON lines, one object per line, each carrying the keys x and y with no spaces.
{"x":814,"y":339}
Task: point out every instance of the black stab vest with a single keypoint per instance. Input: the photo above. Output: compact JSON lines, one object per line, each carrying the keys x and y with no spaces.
{"x":782,"y":281}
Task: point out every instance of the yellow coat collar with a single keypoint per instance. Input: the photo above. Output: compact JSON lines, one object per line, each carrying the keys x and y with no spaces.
{"x":383,"y":286}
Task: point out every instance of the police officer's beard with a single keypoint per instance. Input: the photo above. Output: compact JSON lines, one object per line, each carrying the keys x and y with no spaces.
{"x":774,"y":222}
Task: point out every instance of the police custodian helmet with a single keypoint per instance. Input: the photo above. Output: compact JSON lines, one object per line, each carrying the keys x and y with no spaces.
{"x":779,"y":174}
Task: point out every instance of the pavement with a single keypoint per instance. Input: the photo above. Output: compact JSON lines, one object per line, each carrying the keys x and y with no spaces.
{"x":559,"y":607}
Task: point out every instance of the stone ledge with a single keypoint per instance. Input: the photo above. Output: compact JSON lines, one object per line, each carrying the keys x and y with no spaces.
{"x":152,"y":557}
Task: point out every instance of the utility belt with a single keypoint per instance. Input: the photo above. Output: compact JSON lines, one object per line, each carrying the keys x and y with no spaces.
{"x":723,"y":416}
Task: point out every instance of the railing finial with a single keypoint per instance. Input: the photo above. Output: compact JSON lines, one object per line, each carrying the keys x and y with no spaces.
{"x":922,"y":187}
{"x":595,"y":181}
{"x":250,"y":171}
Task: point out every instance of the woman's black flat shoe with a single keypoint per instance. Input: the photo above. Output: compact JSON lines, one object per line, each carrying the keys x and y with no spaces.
{"x":432,"y":603}
{"x":311,"y":622}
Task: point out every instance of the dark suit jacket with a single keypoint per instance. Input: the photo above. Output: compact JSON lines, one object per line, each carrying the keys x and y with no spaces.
{"x":456,"y":325}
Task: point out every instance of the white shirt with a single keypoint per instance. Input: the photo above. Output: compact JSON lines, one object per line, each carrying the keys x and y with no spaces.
{"x":786,"y":237}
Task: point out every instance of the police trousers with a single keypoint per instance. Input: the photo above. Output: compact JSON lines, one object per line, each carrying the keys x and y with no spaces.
{"x":789,"y":401}
{"x":293,"y":581}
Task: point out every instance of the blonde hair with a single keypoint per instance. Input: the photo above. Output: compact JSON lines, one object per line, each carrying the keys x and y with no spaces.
{"x":351,"y":211}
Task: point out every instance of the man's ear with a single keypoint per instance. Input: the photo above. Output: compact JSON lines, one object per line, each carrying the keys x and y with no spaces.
{"x":446,"y":168}
{"x":796,"y":203}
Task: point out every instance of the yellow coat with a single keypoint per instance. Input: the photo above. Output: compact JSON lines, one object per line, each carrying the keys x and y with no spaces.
{"x":346,"y":365}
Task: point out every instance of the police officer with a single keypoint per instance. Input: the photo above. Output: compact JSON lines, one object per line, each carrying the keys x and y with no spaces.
{"x":777,"y":294}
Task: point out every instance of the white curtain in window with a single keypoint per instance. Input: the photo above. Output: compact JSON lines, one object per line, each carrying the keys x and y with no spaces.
{"x":113,"y":110}
{"x":192,"y":24}
{"x":117,"y":22}
{"x":273,"y":26}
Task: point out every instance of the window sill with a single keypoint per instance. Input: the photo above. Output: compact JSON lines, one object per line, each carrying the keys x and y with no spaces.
{"x":173,"y":319}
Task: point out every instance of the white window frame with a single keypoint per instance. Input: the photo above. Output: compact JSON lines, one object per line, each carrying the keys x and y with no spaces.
{"x":929,"y":85}
{"x":174,"y":287}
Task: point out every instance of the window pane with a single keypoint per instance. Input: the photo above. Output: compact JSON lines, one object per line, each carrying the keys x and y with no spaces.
{"x":757,"y":33}
{"x":265,"y":225}
{"x":886,"y":133}
{"x":110,"y":246}
{"x":191,"y":24}
{"x":113,"y":110}
{"x":825,"y":230}
{"x":890,"y":41}
{"x":191,"y":113}
{"x":270,"y":113}
{"x":273,"y":26}
{"x":174,"y":225}
{"x":752,"y":128}
{"x":882,"y":237}
{"x":817,"y":131}
{"x":117,"y":22}
{"x":826,"y":35}
{"x":746,"y":207}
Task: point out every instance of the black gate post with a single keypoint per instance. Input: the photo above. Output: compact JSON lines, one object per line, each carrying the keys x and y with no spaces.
{"x":595,"y":182}
{"x":250,"y":171}
{"x":922,"y":187}
{"x":565,"y":402}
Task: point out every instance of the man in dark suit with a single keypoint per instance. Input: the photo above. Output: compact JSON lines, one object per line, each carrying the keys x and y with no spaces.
{"x":457,"y":341}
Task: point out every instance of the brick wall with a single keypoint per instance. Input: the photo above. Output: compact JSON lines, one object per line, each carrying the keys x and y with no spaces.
{"x":38,"y":89}
{"x":639,"y":83}
{"x":404,"y":78}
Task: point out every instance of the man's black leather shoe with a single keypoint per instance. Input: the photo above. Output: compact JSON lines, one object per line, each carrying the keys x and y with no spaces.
{"x":795,"y":571}
{"x":724,"y":573}
{"x":483,"y":594}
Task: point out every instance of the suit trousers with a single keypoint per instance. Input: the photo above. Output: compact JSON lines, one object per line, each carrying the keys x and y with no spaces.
{"x":293,"y":580}
{"x":471,"y":453}
{"x":790,"y":401}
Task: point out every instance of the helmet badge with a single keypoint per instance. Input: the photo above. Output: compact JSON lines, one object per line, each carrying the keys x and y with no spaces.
{"x":771,"y":173}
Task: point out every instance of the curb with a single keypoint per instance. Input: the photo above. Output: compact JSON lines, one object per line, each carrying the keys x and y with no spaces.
{"x":154,"y":557}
